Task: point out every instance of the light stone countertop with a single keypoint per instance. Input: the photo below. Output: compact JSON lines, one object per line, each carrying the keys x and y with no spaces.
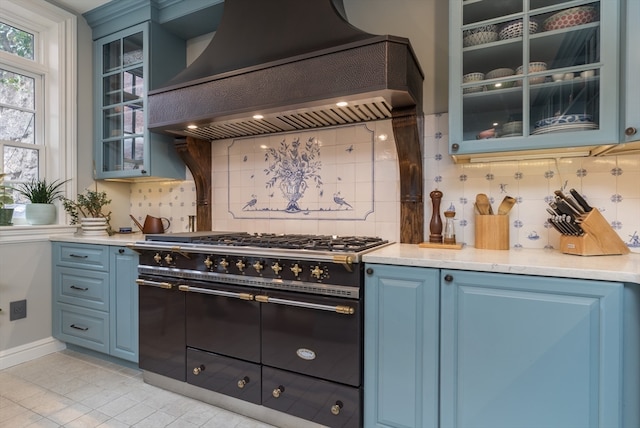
{"x":117,"y":239}
{"x":622,"y":268}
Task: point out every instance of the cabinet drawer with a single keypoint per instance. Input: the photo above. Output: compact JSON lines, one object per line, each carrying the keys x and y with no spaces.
{"x":89,"y":289}
{"x":84,"y":256}
{"x":310,"y":398}
{"x":83,"y":327}
{"x":228,"y":376}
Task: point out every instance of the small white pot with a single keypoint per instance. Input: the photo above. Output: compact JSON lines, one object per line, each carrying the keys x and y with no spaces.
{"x":94,"y":226}
{"x":40,"y":213}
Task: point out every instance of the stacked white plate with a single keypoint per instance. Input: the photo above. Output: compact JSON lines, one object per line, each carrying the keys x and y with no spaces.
{"x":565,"y":127}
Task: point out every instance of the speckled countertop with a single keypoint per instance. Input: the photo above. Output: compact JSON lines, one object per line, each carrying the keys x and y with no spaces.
{"x":623,"y":268}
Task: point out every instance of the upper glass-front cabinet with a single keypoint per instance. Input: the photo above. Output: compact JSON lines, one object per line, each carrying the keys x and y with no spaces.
{"x":532,"y":75}
{"x":123,"y":104}
{"x":125,"y":148}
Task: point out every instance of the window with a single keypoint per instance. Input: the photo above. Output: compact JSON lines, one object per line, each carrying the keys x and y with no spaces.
{"x":37,"y":89}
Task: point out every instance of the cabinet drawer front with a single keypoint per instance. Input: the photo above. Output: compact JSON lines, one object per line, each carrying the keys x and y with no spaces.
{"x":84,"y":288}
{"x":83,"y":327}
{"x":84,"y":256}
{"x":310,"y":398}
{"x":228,"y":376}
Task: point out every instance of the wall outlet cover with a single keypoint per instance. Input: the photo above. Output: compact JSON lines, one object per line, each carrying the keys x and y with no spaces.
{"x":17,"y":310}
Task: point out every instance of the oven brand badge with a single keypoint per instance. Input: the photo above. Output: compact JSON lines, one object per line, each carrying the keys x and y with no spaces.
{"x":306,"y":354}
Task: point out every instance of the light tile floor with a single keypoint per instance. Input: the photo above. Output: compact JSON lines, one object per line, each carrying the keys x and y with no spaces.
{"x":71,"y":389}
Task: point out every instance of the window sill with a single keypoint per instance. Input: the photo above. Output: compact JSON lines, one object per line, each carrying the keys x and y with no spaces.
{"x":28,"y":233}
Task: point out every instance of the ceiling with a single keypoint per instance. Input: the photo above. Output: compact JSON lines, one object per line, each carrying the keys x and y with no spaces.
{"x":81,"y":6}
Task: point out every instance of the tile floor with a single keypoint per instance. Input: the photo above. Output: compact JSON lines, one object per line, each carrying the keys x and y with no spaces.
{"x":71,"y":389}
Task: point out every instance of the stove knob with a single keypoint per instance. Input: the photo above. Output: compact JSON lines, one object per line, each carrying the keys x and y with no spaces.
{"x":258,"y":266}
{"x":335,"y":409}
{"x":208,"y":262}
{"x":240,"y":265}
{"x":278,"y":391}
{"x":224,"y":263}
{"x":157,"y":257}
{"x":242,"y":382}
{"x":296,"y":269}
{"x":276,"y":268}
{"x":168,"y":259}
{"x":197,"y":370}
{"x":317,"y":272}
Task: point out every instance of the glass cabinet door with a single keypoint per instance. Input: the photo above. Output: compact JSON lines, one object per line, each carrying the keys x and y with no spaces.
{"x":122,"y":118}
{"x":530,"y":73}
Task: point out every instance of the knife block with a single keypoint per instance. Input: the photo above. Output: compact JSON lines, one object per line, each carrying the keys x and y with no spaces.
{"x":599,"y":238}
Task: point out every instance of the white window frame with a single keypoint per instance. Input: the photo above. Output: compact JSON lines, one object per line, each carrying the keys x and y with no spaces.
{"x":55,"y":58}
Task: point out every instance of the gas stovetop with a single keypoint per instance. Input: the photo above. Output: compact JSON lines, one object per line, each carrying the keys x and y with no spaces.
{"x":259,"y":241}
{"x":318,"y":264}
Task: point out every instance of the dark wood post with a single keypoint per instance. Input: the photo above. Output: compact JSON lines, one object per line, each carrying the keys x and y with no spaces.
{"x":406,"y":135}
{"x":196,"y":154}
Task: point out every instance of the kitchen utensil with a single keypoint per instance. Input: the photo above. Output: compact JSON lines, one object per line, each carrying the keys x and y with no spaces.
{"x":152,"y":224}
{"x":506,"y":205}
{"x":578,"y":197}
{"x":435,"y":225}
{"x":483,"y":205}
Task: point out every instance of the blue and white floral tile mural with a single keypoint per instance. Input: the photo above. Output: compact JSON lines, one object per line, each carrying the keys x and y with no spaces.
{"x":320,"y":174}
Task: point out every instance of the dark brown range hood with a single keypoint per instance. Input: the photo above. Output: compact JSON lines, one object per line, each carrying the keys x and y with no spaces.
{"x":291,"y":61}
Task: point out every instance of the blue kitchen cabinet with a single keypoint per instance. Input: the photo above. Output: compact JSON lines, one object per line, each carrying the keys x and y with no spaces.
{"x":553,"y":88}
{"x":123,"y":322}
{"x":95,"y":298}
{"x":520,"y":351}
{"x":631,"y":101}
{"x":401,"y":347}
{"x":128,"y":64}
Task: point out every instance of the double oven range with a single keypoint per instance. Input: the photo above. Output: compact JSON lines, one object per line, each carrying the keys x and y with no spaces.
{"x":273,"y":320}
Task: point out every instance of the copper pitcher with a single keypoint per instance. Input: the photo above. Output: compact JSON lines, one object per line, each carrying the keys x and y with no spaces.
{"x":152,"y":224}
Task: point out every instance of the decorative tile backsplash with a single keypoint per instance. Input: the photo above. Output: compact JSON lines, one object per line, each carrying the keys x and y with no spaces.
{"x":352,"y":186}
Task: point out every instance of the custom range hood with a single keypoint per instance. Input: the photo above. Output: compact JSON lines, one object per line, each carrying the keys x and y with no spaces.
{"x":291,"y":61}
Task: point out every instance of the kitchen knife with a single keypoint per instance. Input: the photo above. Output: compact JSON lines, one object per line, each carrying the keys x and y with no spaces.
{"x":570,"y":201}
{"x":580,"y":200}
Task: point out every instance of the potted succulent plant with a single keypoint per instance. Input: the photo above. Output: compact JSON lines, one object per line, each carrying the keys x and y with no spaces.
{"x":42,"y":195}
{"x":88,"y":211}
{"x":5,"y":198}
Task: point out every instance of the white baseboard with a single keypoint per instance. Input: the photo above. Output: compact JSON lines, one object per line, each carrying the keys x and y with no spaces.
{"x":30,"y":351}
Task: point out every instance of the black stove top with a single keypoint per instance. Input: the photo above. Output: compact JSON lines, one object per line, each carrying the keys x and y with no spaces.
{"x":329,"y":243}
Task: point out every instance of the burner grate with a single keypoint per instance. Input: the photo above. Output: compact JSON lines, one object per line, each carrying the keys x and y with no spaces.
{"x":299,"y":242}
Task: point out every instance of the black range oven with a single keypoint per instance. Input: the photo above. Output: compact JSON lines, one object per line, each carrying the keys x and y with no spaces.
{"x":275,"y":320}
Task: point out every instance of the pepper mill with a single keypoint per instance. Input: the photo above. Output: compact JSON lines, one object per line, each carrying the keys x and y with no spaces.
{"x":435,"y":226}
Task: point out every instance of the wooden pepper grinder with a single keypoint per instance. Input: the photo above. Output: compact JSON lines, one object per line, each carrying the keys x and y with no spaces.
{"x":435,"y":226}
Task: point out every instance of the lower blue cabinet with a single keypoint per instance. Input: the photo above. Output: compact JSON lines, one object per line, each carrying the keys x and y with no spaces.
{"x":523,"y":352}
{"x":463,"y":349}
{"x":95,"y":298}
{"x":401,"y":347}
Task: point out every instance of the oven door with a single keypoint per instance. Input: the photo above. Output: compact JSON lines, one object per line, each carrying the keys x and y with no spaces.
{"x":223,"y":319}
{"x":313,"y":335}
{"x":161,"y":327}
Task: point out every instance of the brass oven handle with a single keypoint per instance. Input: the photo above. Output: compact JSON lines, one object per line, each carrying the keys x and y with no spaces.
{"x":347,"y":310}
{"x":243,"y":382}
{"x":278,"y":391}
{"x":164,"y":285}
{"x":241,"y":296}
